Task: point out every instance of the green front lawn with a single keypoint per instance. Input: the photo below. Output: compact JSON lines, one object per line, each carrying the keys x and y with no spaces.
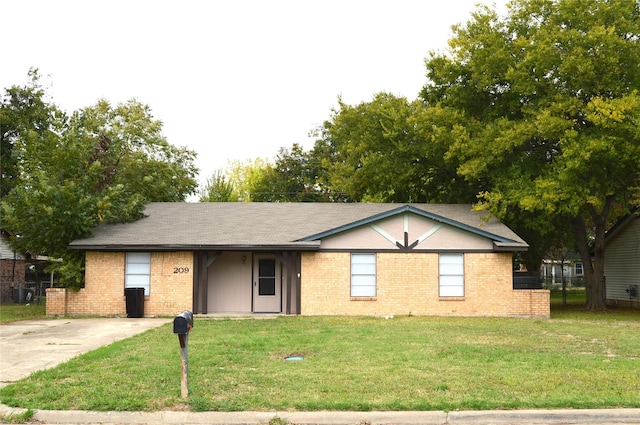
{"x":574,"y":360}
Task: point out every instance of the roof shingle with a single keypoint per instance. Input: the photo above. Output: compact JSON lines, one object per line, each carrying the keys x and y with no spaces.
{"x":254,"y":224}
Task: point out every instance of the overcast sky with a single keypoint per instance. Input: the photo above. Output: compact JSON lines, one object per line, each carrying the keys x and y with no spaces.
{"x":231,"y":80}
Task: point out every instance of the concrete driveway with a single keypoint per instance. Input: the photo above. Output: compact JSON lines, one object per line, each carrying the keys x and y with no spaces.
{"x":31,"y":345}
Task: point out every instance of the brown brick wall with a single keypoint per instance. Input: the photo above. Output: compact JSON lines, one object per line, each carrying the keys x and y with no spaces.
{"x":11,"y":270}
{"x":103,"y":294}
{"x":12,"y":274}
{"x":407,"y":283}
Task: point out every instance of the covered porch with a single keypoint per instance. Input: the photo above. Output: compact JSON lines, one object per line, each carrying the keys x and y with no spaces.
{"x":246,"y":282}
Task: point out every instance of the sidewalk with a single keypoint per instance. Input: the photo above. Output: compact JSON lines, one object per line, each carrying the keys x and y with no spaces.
{"x":503,"y":417}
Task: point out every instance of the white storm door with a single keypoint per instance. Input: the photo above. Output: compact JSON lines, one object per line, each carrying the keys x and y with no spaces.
{"x":266,"y":284}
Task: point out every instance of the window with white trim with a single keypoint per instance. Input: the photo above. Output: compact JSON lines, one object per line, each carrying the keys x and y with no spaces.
{"x":451,"y":267}
{"x":363,"y":275}
{"x":138,"y":271}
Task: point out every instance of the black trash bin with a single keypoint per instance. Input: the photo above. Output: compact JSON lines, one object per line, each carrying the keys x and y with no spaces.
{"x":135,"y":301}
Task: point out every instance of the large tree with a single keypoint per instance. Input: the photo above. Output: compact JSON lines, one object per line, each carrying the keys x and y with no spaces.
{"x":392,"y":150}
{"x":295,"y":176}
{"x":23,"y":110}
{"x":102,"y":164}
{"x":246,"y":177}
{"x":549,"y":99}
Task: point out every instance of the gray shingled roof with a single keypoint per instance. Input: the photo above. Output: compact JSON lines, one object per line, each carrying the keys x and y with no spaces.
{"x":237,"y":225}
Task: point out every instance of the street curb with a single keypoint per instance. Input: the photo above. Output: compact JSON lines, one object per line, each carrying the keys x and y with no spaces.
{"x":560,"y":416}
{"x":521,"y":417}
{"x":240,"y":418}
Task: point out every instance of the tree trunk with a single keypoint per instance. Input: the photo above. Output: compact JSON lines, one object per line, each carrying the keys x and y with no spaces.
{"x":593,"y":269}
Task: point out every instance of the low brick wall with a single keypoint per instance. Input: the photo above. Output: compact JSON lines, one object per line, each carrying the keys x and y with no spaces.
{"x":531,"y":302}
{"x":56,"y":301}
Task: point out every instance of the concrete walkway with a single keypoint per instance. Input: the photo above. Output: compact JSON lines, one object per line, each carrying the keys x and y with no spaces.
{"x":32,"y":345}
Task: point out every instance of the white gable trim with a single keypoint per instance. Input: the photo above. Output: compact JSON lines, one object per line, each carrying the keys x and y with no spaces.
{"x":407,"y":232}
{"x":512,"y":244}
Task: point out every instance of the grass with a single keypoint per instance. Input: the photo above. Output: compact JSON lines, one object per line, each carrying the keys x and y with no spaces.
{"x":11,"y":312}
{"x":575,"y":359}
{"x":18,"y":418}
{"x":575,"y":297}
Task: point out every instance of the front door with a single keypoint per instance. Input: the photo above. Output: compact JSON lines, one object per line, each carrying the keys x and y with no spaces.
{"x":266,"y":285}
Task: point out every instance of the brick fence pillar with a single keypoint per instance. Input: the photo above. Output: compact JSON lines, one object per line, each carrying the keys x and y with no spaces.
{"x":56,"y":301}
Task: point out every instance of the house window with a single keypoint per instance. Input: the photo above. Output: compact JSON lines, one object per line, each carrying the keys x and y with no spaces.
{"x":363,"y":275}
{"x":138,"y":271}
{"x":579,"y":271}
{"x":451,"y":275}
{"x":267,"y":277}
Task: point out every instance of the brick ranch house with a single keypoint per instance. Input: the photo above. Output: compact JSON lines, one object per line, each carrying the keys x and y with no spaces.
{"x":303,"y":259}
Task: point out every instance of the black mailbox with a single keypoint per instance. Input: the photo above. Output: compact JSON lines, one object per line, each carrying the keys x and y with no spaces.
{"x":183,"y":323}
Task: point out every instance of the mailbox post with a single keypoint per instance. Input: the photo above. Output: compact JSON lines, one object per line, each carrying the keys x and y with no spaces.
{"x":182,"y":325}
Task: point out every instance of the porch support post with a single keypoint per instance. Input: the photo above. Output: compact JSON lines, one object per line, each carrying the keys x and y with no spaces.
{"x":297,"y":260}
{"x":204,"y":282}
{"x":196,"y":279}
{"x":290,"y":266}
{"x":200,"y":282}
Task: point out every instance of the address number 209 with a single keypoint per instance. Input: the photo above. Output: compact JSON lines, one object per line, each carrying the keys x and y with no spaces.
{"x":177,"y":270}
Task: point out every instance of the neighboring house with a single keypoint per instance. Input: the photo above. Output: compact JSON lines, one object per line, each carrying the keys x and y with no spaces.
{"x":622,"y":261}
{"x":304,"y":258}
{"x":12,"y":267}
{"x":570,"y":268}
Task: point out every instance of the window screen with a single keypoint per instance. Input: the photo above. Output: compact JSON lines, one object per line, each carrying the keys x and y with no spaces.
{"x":363,"y":275}
{"x":138,"y":271}
{"x":451,"y":275}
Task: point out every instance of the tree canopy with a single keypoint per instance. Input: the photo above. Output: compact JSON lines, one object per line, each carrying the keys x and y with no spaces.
{"x":549,"y":100}
{"x":391,"y":150}
{"x":295,"y":176}
{"x":218,"y":188}
{"x":101,"y":164}
{"x":532,"y":115}
{"x":23,"y":110}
